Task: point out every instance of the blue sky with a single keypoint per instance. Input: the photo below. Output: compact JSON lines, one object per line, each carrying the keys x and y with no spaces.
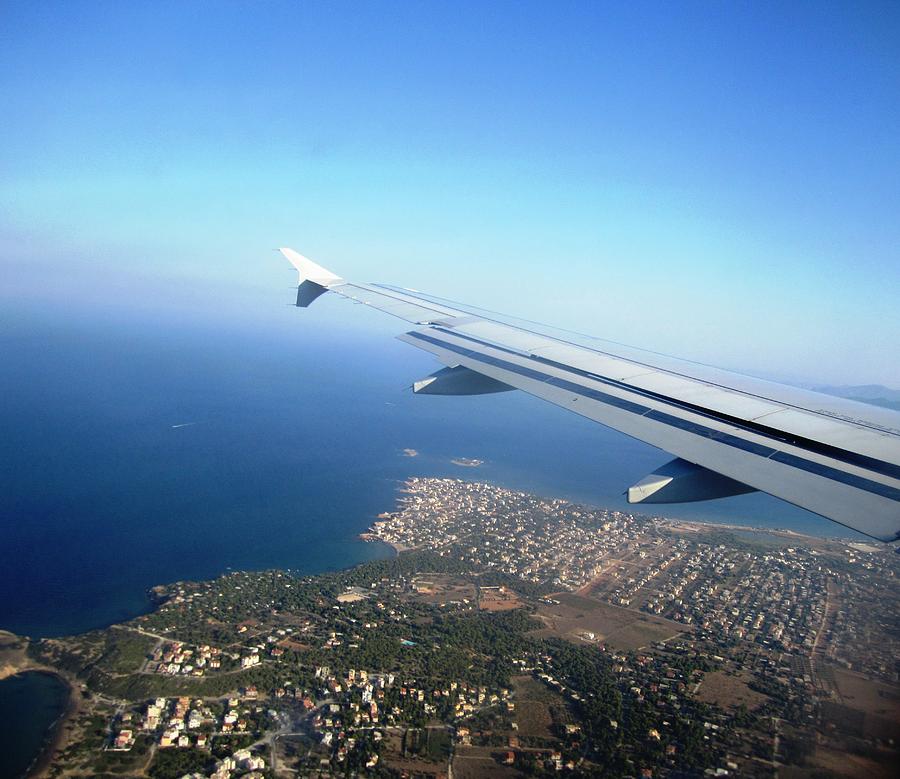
{"x":715,"y":180}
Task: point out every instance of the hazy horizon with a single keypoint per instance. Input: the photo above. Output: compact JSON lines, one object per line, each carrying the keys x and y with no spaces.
{"x":718,"y":184}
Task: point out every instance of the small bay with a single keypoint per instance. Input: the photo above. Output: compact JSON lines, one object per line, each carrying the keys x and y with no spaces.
{"x":30,"y":705}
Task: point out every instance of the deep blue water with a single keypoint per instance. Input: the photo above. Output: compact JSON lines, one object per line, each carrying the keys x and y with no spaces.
{"x":294,"y":445}
{"x":29,"y":705}
{"x":136,"y":452}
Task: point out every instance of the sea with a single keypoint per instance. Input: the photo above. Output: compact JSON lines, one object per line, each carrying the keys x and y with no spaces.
{"x":137,"y":451}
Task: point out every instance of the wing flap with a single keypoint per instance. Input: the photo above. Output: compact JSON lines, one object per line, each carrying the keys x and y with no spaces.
{"x":835,"y":457}
{"x":702,"y":396}
{"x":850,"y":495}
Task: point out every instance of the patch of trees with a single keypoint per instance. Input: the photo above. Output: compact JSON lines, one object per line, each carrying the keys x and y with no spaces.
{"x":176,"y":762}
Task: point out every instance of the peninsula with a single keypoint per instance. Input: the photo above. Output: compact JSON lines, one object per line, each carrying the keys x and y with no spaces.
{"x":521,"y":636}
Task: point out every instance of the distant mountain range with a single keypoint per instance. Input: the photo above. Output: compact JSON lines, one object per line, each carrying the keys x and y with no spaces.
{"x":874,"y":394}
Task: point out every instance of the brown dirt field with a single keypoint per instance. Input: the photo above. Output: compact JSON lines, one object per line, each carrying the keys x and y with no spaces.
{"x":492,"y":600}
{"x":620,"y":628}
{"x":393,"y":758}
{"x":533,"y":701}
{"x":413,"y":765}
{"x":479,"y":763}
{"x":416,"y":767}
{"x":290,"y":643}
{"x":728,"y":691}
{"x":289,"y":749}
{"x":441,"y":588}
{"x":850,"y":765}
{"x":867,"y":695}
{"x":872,"y":708}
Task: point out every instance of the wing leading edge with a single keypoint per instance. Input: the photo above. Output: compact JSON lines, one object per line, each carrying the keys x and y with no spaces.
{"x":729,"y":433}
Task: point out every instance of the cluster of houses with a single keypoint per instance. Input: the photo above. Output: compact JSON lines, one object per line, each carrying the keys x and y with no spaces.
{"x":184,"y":722}
{"x":863,"y":633}
{"x":776,"y":598}
{"x":243,"y":763}
{"x":536,"y":539}
{"x":176,"y":658}
{"x":364,"y":702}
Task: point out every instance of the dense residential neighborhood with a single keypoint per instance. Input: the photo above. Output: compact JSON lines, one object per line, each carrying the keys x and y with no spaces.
{"x":784,"y":598}
{"x":513,"y":635}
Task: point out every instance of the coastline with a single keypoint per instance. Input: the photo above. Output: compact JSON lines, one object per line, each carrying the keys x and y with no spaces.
{"x":695,"y":526}
{"x":373,"y":538}
{"x":690,"y":526}
{"x":55,"y":739}
{"x":14,"y":661}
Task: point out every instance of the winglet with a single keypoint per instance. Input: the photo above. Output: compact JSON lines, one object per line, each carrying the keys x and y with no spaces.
{"x":309,"y":271}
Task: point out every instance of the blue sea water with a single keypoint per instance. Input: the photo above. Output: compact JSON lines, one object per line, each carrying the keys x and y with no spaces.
{"x":30,"y":704}
{"x":133,"y":456}
{"x":136,"y":452}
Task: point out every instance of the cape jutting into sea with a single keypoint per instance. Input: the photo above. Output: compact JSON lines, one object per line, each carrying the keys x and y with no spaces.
{"x":135,"y":456}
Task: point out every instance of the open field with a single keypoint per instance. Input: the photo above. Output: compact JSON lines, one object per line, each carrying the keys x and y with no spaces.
{"x":868,"y":708}
{"x":437,"y":589}
{"x":415,"y":767}
{"x":537,"y":707}
{"x":869,"y":696}
{"x":727,"y":691}
{"x":838,"y":763}
{"x":481,"y":763}
{"x":620,"y":628}
{"x":501,"y":599}
{"x":418,"y":752}
{"x":290,"y":749}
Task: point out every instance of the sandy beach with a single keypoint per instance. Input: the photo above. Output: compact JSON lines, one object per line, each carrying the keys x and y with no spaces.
{"x":57,"y":735}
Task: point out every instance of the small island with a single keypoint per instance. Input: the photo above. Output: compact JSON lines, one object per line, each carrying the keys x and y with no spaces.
{"x":467,"y":462}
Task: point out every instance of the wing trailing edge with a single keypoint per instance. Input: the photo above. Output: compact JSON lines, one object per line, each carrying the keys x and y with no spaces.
{"x":730,"y":433}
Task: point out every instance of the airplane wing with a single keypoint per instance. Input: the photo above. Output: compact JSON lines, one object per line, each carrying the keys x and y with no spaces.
{"x":729,"y":433}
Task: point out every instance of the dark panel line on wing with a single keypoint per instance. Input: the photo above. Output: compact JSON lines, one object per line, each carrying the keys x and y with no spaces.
{"x":719,"y":436}
{"x":502,"y":320}
{"x":826,"y":450}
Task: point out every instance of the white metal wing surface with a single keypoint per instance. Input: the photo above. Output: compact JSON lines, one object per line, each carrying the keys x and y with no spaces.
{"x":730,"y":433}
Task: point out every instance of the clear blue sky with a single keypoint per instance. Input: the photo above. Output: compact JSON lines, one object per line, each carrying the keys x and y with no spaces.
{"x":716,"y":180}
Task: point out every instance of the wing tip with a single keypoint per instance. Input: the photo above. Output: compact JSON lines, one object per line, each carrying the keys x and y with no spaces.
{"x":309,"y":270}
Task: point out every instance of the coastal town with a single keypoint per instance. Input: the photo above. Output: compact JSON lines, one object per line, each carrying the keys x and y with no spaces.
{"x":836,"y":599}
{"x":513,"y":635}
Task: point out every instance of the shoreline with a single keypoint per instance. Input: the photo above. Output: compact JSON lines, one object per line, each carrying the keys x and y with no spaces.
{"x":58,"y":733}
{"x":21,"y":664}
{"x":693,"y":526}
{"x":373,"y":538}
{"x":55,"y":738}
{"x":711,"y":522}
{"x":696,"y":525}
